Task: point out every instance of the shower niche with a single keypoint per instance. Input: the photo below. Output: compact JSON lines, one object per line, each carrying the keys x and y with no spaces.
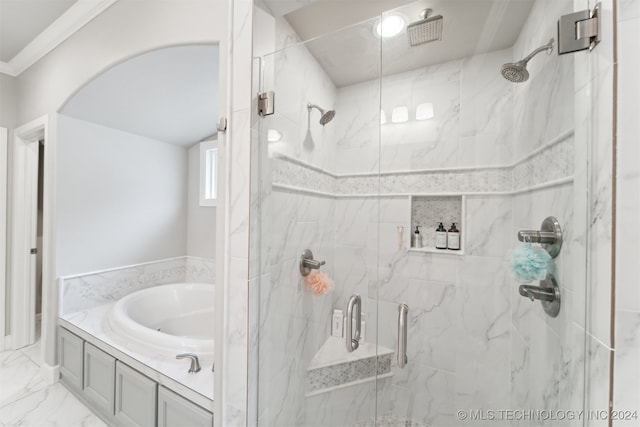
{"x":428,"y":212}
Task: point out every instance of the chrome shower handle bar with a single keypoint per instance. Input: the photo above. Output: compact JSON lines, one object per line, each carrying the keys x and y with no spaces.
{"x":355,"y":302}
{"x":403,"y":309}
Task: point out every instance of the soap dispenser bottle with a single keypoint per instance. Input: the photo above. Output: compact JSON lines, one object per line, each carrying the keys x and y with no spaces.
{"x":416,"y":238}
{"x":441,"y":237}
{"x":453,"y":238}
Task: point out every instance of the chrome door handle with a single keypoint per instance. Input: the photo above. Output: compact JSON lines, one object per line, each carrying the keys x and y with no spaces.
{"x":355,"y":302}
{"x":403,"y":309}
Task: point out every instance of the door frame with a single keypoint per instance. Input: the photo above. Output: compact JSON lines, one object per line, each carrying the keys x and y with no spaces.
{"x":23,"y":229}
{"x":3,"y":232}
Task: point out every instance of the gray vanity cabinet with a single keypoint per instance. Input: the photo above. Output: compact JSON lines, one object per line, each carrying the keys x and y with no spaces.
{"x":136,"y":397}
{"x":176,"y":411}
{"x":99,"y":377}
{"x":71,"y":359}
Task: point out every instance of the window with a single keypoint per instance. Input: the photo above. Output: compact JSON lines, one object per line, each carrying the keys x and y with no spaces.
{"x":208,"y":173}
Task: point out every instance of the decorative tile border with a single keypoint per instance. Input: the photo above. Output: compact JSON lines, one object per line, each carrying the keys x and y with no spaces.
{"x":552,"y":162}
{"x":289,"y":171}
{"x":344,"y":373}
{"x":88,"y":290}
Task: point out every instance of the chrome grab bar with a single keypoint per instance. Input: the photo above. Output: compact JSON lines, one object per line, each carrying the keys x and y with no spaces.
{"x":353,"y":341}
{"x":403,"y":309}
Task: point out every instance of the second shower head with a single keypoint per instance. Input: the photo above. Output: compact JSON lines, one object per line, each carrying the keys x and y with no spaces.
{"x":325,"y":115}
{"x":516,"y":72}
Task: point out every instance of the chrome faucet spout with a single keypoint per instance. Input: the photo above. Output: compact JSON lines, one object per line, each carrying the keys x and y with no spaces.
{"x":195,"y":363}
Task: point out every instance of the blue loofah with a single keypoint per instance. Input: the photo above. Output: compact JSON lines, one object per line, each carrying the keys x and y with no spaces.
{"x":529,"y":263}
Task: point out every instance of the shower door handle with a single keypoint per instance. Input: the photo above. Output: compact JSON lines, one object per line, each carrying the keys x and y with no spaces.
{"x":353,"y":341}
{"x":403,"y":309}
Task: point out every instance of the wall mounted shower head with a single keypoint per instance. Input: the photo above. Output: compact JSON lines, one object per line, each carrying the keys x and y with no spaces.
{"x":516,"y":72}
{"x":326,"y":116}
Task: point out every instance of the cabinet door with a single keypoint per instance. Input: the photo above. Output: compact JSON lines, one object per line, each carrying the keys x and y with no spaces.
{"x":176,"y":411}
{"x":71,"y":359}
{"x":99,"y":378}
{"x":136,"y":397}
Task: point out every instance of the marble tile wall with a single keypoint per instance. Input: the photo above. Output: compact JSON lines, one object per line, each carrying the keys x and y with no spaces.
{"x":548,"y":354}
{"x":85,"y":291}
{"x":626,"y":393}
{"x":552,"y":162}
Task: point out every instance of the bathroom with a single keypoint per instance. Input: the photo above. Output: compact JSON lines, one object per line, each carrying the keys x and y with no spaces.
{"x":418,"y":135}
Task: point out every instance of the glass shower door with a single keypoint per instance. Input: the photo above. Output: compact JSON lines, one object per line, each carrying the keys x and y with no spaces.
{"x":373,"y":138}
{"x":307,"y":375}
{"x":485,"y":157}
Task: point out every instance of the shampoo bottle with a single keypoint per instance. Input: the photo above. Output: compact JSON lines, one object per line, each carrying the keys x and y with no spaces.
{"x":441,"y":237}
{"x":416,"y":238}
{"x":453,"y":238}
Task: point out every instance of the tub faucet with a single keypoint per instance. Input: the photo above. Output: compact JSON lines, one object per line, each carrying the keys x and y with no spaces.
{"x":195,"y":363}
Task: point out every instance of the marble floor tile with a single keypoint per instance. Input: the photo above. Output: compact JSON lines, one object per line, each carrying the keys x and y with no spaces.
{"x":27,"y":401}
{"x":52,"y":406}
{"x":19,"y":377}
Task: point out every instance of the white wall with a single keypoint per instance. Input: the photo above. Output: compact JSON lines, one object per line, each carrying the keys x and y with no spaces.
{"x":201,"y":221}
{"x":121,"y":198}
{"x":8,"y":101}
{"x":126,"y":29}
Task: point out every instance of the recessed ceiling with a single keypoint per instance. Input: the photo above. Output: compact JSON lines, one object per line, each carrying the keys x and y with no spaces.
{"x":355,"y":54}
{"x":169,"y":95}
{"x":22,"y":20}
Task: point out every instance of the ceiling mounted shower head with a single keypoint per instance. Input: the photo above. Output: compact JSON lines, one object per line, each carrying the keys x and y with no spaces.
{"x":325,"y":117}
{"x":516,"y":72}
{"x":426,"y":30}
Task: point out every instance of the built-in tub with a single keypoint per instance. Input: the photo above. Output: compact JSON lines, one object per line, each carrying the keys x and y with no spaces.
{"x":173,"y":319}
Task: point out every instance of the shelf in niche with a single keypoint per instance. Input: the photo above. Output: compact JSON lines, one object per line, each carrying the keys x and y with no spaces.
{"x":436,"y":251}
{"x":428,"y":212}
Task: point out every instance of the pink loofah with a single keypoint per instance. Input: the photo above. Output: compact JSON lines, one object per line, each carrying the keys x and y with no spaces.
{"x":318,"y":283}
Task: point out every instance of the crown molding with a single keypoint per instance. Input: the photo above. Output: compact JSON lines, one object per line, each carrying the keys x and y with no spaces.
{"x":76,"y":17}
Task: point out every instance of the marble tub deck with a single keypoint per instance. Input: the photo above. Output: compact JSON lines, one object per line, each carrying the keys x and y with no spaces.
{"x":26,"y":400}
{"x":89,"y":325}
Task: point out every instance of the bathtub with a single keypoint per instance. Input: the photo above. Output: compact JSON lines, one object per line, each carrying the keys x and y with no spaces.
{"x":171,"y":319}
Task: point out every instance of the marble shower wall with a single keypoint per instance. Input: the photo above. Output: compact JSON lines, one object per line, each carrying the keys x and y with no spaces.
{"x":548,"y":354}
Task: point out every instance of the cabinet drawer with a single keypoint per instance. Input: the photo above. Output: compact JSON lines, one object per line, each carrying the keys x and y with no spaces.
{"x":176,"y":411}
{"x":136,"y":397}
{"x":71,"y":359}
{"x":99,"y":378}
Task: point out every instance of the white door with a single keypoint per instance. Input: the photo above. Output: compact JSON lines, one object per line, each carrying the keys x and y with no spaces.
{"x":24,"y":242}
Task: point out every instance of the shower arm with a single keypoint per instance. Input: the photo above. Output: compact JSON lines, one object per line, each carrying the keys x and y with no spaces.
{"x":537,"y":51}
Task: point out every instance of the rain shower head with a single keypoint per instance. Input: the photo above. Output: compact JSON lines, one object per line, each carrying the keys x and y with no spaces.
{"x":326,"y":116}
{"x":516,"y":72}
{"x":426,"y":30}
